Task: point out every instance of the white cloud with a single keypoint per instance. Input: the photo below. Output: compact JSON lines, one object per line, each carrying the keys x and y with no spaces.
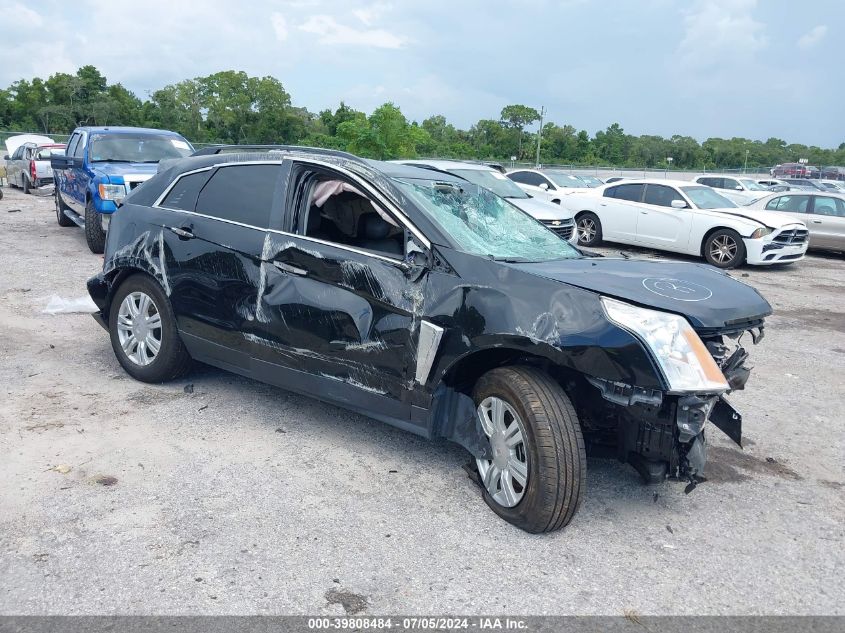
{"x":369,"y":14}
{"x":280,"y":26}
{"x":720,"y":32}
{"x":330,"y":31}
{"x":812,"y":37}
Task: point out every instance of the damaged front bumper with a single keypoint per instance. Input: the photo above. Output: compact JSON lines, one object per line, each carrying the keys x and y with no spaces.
{"x":662,"y":434}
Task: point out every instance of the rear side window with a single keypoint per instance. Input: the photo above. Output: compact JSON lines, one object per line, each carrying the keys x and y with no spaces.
{"x":710,"y":182}
{"x":241,"y":193}
{"x":829,"y":206}
{"x":633,"y":193}
{"x":527,"y":178}
{"x":185,"y":192}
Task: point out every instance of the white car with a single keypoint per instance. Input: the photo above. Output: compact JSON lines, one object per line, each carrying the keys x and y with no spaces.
{"x":684,"y":217}
{"x":549,"y":184}
{"x":559,"y":220}
{"x":740,"y":189}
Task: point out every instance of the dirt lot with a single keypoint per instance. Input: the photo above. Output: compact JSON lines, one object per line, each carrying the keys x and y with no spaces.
{"x":221,"y":495}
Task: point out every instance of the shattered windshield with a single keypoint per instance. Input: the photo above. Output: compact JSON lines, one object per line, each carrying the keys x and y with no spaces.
{"x":493,"y":180}
{"x":137,"y":148}
{"x":481,"y":223}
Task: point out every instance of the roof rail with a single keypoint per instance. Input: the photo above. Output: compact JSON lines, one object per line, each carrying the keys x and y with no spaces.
{"x":232,"y":149}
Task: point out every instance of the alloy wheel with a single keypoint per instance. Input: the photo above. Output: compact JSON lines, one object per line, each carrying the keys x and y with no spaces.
{"x":586,"y":230}
{"x":506,"y":475}
{"x":139,"y":328}
{"x":723,"y":249}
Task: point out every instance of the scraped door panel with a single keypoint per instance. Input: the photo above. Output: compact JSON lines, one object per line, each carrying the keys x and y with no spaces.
{"x":344,"y":316}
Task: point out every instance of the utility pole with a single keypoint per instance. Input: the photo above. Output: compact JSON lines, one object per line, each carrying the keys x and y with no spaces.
{"x":539,"y":136}
{"x":745,"y":169}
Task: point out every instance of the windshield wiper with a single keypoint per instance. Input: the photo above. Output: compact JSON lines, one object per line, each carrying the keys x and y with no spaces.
{"x":112,"y":160}
{"x":513,"y":260}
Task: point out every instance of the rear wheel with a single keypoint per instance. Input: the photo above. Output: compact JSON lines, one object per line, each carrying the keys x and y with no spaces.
{"x":143,"y":332}
{"x":61,"y":218}
{"x":25,"y":181}
{"x":95,"y":234}
{"x":724,"y":249}
{"x":536,"y":475}
{"x":588,"y":226}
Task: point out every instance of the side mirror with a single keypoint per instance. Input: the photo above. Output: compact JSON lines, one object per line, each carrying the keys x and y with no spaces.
{"x":544,"y":186}
{"x":678,"y":204}
{"x":6,"y":157}
{"x":60,"y":161}
{"x":738,"y":187}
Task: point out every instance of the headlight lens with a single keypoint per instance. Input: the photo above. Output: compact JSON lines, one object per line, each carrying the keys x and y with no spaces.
{"x":680,"y":353}
{"x":761,"y":232}
{"x":112,"y":192}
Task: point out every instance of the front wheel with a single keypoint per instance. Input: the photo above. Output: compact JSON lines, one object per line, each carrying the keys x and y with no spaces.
{"x":143,"y":332}
{"x":535,"y":476}
{"x":588,"y":226}
{"x":95,"y":234}
{"x":724,"y":249}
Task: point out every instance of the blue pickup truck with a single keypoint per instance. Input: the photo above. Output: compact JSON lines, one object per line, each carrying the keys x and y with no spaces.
{"x":103,"y":164}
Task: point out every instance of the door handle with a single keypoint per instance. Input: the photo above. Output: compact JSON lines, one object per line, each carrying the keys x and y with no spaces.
{"x":183,"y":233}
{"x":287,"y":268}
{"x":817,"y":221}
{"x":644,"y":212}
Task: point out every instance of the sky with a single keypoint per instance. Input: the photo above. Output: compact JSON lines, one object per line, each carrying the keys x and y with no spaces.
{"x":724,"y":68}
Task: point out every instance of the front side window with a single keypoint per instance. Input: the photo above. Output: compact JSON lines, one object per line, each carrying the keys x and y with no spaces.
{"x":730,"y":183}
{"x":632,"y":192}
{"x":71,"y":145}
{"x":137,"y":148}
{"x":661,"y":195}
{"x":481,"y":223}
{"x":793,"y":204}
{"x":705,"y":198}
{"x":241,"y":193}
{"x":79,"y":150}
{"x":711,"y":182}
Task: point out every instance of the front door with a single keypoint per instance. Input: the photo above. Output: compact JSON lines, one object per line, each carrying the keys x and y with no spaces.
{"x":660,"y":224}
{"x":340,"y":303}
{"x":619,"y":210}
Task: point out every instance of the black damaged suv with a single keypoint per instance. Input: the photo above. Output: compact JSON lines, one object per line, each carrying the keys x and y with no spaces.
{"x":429,"y":303}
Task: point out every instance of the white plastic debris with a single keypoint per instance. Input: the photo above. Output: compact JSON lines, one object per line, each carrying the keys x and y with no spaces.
{"x":58,"y":305}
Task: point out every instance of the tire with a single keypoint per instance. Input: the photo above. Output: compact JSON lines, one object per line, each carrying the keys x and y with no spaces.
{"x":724,"y":249}
{"x":25,"y":182}
{"x":588,"y":226}
{"x":61,"y":218}
{"x":553,"y":447}
{"x":95,"y":235}
{"x":172,"y":359}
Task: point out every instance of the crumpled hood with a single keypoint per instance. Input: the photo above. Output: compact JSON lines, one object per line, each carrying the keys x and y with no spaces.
{"x":542,"y":210}
{"x":122,"y":169}
{"x":706,"y":296}
{"x":767,"y":218}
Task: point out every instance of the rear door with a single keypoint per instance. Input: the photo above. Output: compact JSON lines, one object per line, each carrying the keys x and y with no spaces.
{"x":210,"y":236}
{"x":619,"y":209}
{"x":14,"y":169}
{"x":826,"y":222}
{"x":659,"y":223}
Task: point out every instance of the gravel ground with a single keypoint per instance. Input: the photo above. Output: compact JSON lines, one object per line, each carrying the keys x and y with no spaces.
{"x":220,"y":495}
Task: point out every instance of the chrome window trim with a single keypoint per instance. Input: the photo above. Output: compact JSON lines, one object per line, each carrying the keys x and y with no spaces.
{"x":358,"y":180}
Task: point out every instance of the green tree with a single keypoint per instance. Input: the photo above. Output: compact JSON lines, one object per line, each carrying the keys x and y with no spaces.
{"x":517,"y":117}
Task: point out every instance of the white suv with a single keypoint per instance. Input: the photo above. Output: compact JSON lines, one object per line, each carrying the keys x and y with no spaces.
{"x":740,"y":189}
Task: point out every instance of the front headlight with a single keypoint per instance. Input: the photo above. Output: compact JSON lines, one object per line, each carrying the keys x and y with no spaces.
{"x":680,"y":353}
{"x":112,"y":192}
{"x":761,"y":232}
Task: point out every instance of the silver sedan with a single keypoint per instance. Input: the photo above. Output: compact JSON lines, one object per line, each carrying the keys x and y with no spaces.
{"x":823,"y":213}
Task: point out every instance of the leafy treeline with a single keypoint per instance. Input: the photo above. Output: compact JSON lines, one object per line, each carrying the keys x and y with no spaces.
{"x":232,"y":107}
